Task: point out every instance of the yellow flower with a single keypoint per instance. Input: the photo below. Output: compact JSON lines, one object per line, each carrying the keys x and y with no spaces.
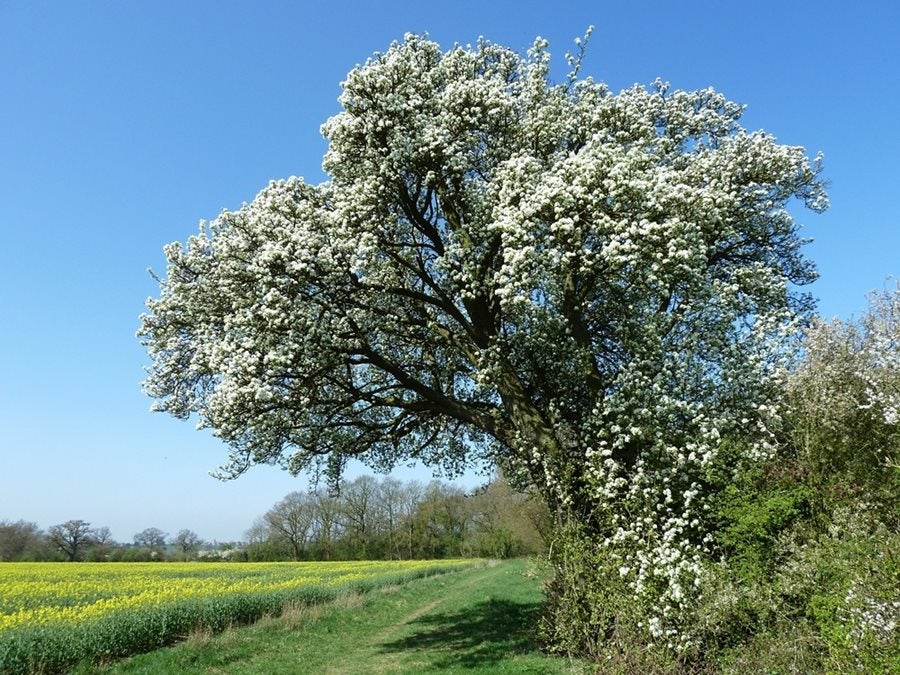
{"x":35,"y":594}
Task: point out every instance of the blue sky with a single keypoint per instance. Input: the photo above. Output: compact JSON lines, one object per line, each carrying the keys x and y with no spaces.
{"x":123,"y":124}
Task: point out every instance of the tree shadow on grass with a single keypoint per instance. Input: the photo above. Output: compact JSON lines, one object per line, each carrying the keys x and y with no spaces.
{"x":479,"y":635}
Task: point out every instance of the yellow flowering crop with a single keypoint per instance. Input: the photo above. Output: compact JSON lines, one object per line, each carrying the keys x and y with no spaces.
{"x":67,"y":594}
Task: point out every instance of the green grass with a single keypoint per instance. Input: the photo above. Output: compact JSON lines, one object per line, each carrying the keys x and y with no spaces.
{"x":475,"y":621}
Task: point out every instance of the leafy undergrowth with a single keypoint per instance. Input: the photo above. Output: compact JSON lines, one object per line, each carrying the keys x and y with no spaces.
{"x":475,"y":621}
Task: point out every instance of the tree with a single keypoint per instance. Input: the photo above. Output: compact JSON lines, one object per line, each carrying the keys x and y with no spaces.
{"x":359,"y":513}
{"x":505,"y":522}
{"x":152,"y":537}
{"x":102,"y":536}
{"x":262,"y":545}
{"x":187,"y":541}
{"x":290,"y":521}
{"x":390,"y":503}
{"x":590,"y":289}
{"x":21,"y":540}
{"x":101,"y":545}
{"x":71,"y":538}
{"x":326,"y":524}
{"x":845,"y":404}
{"x":441,"y":521}
{"x":411,"y":497}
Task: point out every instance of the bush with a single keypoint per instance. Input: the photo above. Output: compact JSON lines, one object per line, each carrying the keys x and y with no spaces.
{"x":750,"y":514}
{"x":786,"y":586}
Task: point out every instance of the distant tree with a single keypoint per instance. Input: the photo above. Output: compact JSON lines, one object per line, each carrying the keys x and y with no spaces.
{"x":152,"y":537}
{"x":506,"y":522}
{"x":71,"y":538}
{"x":390,"y":500}
{"x":187,"y":541}
{"x":258,"y":533}
{"x":101,"y":545}
{"x":327,"y":528}
{"x":387,"y":518}
{"x":442,"y":521}
{"x":19,"y":540}
{"x":261,"y":545}
{"x":412,"y":496}
{"x":359,"y":512}
{"x":290,"y":521}
{"x":102,"y":536}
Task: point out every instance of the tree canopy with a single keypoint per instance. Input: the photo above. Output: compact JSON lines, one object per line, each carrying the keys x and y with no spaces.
{"x":71,"y":537}
{"x":495,"y":256}
{"x":589,"y":288}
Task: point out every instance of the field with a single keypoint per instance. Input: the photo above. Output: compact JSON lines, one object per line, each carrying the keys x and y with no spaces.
{"x":56,"y":615}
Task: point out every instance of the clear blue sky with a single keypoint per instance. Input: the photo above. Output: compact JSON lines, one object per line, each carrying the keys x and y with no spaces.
{"x":124,"y":123}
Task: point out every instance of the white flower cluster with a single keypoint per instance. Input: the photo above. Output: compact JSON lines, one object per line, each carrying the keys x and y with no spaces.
{"x":881,"y":354}
{"x":648,"y":463}
{"x":870,"y":619}
{"x":852,"y":370}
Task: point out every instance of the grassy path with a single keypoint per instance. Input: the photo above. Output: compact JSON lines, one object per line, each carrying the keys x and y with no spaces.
{"x":476,"y":621}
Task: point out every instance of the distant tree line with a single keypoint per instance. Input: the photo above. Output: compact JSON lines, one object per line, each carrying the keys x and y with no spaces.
{"x":368,"y":518}
{"x":76,"y":540}
{"x":365,"y":518}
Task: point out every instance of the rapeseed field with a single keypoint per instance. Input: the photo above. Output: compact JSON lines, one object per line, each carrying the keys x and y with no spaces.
{"x":55,"y":615}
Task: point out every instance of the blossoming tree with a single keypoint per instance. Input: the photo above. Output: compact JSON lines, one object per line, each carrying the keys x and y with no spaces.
{"x":845,"y":396}
{"x":590,"y":289}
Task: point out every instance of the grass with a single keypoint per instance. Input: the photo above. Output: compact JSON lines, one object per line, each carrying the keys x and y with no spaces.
{"x":475,"y":621}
